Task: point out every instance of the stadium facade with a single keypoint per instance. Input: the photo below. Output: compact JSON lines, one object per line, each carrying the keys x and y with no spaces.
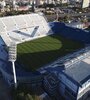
{"x":69,"y":76}
{"x":73,"y":73}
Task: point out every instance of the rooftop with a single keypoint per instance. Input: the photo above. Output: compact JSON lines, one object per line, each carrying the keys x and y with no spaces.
{"x":75,"y":67}
{"x":80,"y":71}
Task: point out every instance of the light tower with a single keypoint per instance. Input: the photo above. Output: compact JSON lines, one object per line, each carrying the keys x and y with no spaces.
{"x":12,"y":59}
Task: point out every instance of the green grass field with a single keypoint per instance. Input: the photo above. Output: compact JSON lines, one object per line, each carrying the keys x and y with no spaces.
{"x":37,"y":53}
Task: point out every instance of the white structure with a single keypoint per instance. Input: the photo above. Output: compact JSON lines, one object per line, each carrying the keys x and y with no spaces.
{"x":85,"y":3}
{"x":14,"y":4}
{"x":76,"y":25}
{"x":3,"y":3}
{"x":64,"y":1}
{"x":49,"y":1}
{"x":12,"y":58}
{"x":40,"y":2}
{"x":23,"y":28}
{"x":6,"y":39}
{"x":75,"y":0}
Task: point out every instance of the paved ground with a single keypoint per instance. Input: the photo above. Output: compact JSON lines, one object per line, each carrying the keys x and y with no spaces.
{"x":4,"y":90}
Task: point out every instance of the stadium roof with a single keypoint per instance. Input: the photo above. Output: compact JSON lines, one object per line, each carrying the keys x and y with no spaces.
{"x":80,"y":72}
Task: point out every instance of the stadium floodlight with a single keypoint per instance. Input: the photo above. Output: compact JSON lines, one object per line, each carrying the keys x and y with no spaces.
{"x":12,"y":52}
{"x":12,"y":58}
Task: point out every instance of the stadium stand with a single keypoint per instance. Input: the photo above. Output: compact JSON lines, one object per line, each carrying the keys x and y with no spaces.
{"x":15,"y":37}
{"x":9,"y":23}
{"x":2,"y":27}
{"x":24,"y":27}
{"x":6,"y":39}
{"x":72,"y":71}
{"x":31,"y":26}
{"x":19,"y":29}
{"x":72,"y":33}
{"x":3,"y":54}
{"x":68,"y":60}
{"x":22,"y":76}
{"x":51,"y":83}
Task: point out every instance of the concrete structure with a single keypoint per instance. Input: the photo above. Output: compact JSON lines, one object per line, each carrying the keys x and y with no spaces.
{"x":3,"y":4}
{"x":22,"y":25}
{"x":85,"y":3}
{"x":12,"y":56}
{"x":75,"y":0}
{"x":37,"y":2}
{"x":64,"y":1}
{"x":75,"y":25}
{"x":69,"y":76}
{"x":24,"y":31}
{"x":73,"y":74}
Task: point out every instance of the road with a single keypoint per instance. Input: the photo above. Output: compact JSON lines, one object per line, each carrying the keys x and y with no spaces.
{"x":53,"y":16}
{"x":75,"y":14}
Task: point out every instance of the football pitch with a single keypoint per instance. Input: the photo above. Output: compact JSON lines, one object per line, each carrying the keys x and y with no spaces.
{"x":37,"y":53}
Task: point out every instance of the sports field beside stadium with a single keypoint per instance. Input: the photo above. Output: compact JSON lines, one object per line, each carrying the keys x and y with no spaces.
{"x":37,"y":53}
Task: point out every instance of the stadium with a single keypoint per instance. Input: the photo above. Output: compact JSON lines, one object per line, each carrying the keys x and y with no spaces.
{"x":33,"y":51}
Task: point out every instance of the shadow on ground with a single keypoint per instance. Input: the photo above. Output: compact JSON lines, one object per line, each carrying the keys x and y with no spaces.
{"x":39,"y":59}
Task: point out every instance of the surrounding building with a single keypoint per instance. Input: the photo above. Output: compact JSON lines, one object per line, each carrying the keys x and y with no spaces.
{"x":79,"y":25}
{"x":64,"y":1}
{"x":76,"y":0}
{"x":75,"y":25}
{"x":85,"y":3}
